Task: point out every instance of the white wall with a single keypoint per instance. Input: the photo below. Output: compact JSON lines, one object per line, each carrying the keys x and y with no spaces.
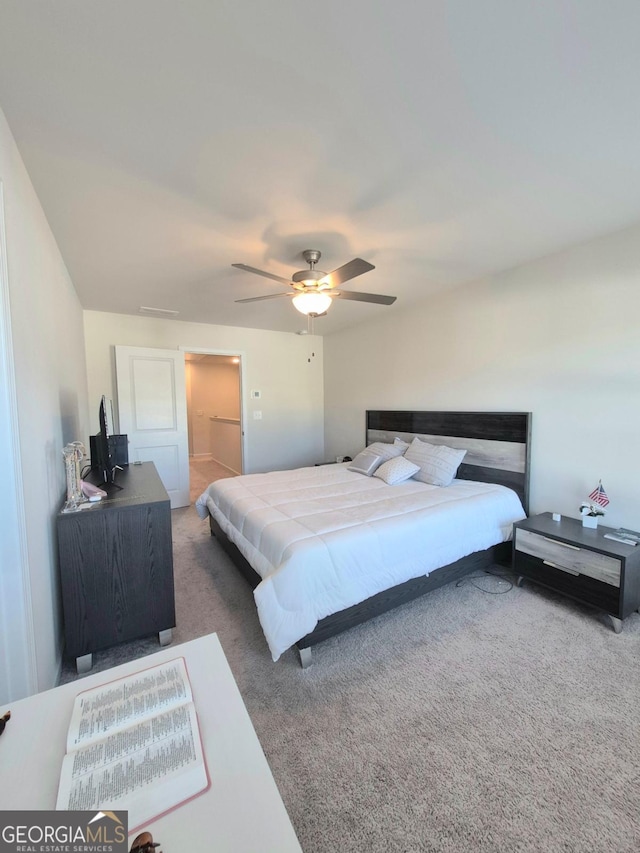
{"x":559,"y":338}
{"x":50,"y":403}
{"x":279,"y":365}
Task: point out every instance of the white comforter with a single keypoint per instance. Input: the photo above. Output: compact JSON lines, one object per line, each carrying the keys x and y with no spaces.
{"x":325,"y":538}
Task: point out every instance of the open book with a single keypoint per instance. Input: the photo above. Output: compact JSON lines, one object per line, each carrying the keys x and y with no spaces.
{"x":134,"y":744}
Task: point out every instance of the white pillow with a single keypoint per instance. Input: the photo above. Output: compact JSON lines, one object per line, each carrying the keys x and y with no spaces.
{"x":387,"y":451}
{"x":397,"y":470}
{"x":398,"y":442}
{"x":437,"y":462}
{"x":366,"y":463}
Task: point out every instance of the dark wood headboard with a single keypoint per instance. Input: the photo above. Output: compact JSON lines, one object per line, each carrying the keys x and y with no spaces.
{"x":497,"y":443}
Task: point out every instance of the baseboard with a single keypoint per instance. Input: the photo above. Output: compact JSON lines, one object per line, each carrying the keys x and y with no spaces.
{"x":233,"y":470}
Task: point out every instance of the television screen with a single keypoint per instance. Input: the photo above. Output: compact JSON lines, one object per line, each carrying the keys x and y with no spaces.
{"x":104,"y":462}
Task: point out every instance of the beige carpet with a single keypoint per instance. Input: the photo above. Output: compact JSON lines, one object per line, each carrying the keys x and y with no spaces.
{"x":464,"y":721}
{"x":202,"y":472}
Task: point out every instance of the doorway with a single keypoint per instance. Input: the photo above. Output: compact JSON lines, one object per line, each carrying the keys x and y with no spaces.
{"x":214,"y":418}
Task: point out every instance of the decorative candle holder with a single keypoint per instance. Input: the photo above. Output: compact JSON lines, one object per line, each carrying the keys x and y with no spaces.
{"x":73,"y":453}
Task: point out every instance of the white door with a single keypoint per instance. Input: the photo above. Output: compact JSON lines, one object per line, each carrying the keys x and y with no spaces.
{"x":152,"y":407}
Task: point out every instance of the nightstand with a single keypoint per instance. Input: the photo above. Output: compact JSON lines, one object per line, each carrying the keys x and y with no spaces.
{"x":580,"y":563}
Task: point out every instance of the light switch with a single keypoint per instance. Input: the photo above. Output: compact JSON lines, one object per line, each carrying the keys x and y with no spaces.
{"x":255,"y":395}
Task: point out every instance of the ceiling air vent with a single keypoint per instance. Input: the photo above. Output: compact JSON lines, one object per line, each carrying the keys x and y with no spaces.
{"x":162,"y":312}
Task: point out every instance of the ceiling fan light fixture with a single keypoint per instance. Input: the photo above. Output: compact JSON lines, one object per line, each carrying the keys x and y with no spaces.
{"x":315,"y":302}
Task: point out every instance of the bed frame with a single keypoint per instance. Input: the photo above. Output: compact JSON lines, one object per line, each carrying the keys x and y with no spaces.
{"x":498,"y":451}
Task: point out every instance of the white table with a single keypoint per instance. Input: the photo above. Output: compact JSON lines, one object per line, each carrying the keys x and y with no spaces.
{"x":241,"y":811}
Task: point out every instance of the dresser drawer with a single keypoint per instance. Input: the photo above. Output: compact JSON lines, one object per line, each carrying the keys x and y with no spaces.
{"x":569,"y":558}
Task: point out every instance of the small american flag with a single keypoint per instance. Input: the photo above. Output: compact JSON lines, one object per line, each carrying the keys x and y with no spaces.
{"x":598,"y":495}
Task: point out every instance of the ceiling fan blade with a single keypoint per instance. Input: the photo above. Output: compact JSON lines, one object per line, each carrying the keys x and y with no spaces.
{"x":348,"y":271}
{"x":262,"y":272}
{"x":270,"y":296}
{"x":378,"y":298}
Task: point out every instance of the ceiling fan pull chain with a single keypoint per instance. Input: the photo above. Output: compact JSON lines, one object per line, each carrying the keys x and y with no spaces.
{"x":310,"y":318}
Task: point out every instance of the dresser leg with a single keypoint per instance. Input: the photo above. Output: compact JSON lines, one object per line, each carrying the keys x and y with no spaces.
{"x":164,"y":637}
{"x":84,"y":663}
{"x":616,"y":623}
{"x":305,"y":657}
{"x":519,"y":580}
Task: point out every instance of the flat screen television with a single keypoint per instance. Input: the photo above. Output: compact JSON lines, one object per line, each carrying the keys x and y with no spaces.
{"x":105,"y":462}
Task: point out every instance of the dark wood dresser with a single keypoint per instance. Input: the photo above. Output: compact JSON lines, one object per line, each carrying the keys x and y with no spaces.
{"x":116,"y":566}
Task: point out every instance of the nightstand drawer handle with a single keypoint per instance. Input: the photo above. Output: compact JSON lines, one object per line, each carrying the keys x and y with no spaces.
{"x":564,"y":544}
{"x":562,"y":568}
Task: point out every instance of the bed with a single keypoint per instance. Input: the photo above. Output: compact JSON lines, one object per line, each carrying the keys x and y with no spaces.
{"x":326,"y":548}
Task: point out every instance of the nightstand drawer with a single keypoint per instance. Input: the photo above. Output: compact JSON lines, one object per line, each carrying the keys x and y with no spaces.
{"x":569,"y":558}
{"x":581,"y":587}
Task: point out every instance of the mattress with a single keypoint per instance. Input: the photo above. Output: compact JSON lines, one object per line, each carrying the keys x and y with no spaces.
{"x":325,"y":538}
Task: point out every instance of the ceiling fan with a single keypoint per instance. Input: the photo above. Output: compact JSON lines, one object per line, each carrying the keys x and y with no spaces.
{"x":314,"y":290}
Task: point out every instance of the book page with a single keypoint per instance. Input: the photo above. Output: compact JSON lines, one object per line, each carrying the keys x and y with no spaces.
{"x":116,"y":705}
{"x":147,"y":769}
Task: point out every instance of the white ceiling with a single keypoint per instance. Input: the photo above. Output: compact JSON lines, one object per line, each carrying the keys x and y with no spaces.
{"x":441,"y":141}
